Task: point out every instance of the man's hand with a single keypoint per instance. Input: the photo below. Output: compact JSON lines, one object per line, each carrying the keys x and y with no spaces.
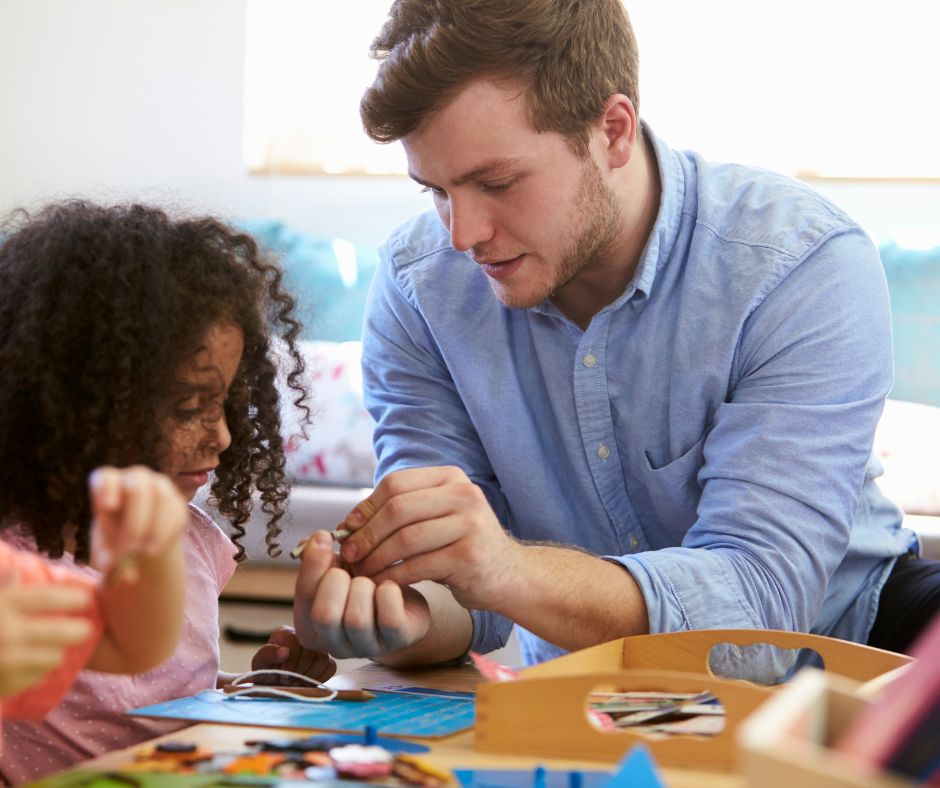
{"x":434,"y":524}
{"x":284,"y":652}
{"x":35,"y":631}
{"x":136,"y":512}
{"x":353,"y":616}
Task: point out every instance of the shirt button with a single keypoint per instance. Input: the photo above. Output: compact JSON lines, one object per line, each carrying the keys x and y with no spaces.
{"x":634,"y":542}
{"x":589,"y":360}
{"x":603,"y":452}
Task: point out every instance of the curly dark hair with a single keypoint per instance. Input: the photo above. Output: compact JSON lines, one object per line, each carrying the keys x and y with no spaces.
{"x":99,"y":308}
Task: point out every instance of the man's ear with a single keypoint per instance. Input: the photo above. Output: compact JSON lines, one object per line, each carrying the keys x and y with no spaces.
{"x":618,"y":124}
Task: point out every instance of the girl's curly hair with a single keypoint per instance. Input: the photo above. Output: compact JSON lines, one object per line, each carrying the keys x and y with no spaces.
{"x":99,"y":308}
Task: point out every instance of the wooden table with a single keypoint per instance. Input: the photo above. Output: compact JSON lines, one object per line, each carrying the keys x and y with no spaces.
{"x":455,"y":751}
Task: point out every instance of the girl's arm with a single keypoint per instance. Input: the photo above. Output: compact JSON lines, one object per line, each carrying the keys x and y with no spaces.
{"x":139,"y":517}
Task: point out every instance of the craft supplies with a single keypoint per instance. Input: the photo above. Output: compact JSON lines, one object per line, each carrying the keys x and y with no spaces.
{"x":393,"y":713}
{"x":338,"y":535}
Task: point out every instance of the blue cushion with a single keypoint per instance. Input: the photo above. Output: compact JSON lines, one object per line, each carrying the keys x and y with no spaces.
{"x":914,"y":287}
{"x":328,"y":278}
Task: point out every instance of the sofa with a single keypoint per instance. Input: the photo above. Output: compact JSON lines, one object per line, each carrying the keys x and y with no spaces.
{"x":332,"y":469}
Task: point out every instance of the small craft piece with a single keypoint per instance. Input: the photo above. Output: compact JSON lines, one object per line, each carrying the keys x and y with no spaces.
{"x":338,"y":535}
{"x":272,"y":691}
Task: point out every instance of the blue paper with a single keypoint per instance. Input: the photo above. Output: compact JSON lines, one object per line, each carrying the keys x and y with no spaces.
{"x":390,"y":713}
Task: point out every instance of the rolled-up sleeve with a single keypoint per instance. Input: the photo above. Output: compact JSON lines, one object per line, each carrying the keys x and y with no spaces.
{"x":785,"y":456}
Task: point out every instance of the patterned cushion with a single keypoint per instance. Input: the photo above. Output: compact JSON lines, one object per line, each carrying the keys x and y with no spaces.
{"x":338,"y":448}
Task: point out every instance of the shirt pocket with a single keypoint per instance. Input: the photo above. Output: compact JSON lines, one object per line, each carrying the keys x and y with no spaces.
{"x":667,"y":496}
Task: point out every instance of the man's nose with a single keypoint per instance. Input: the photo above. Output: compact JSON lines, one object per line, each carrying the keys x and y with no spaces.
{"x":470,"y":224}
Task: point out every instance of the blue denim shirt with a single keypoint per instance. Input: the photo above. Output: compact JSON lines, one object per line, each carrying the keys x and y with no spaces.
{"x":710,"y":430}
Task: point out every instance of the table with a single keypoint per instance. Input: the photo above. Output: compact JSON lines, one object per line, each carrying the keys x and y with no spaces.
{"x":451,"y":752}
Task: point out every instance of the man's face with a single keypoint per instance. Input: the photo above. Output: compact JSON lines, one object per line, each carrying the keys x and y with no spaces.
{"x":522,"y":204}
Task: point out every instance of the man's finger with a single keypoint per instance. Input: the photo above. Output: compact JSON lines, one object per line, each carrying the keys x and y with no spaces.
{"x":390,"y":617}
{"x":318,"y":618}
{"x":315,"y":561}
{"x":359,"y":618}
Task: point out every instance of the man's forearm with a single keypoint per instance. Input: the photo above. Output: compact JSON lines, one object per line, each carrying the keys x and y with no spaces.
{"x":573,"y":599}
{"x":448,"y":637}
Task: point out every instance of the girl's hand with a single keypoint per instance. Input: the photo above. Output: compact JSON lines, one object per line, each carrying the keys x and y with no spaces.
{"x":284,"y":652}
{"x":35,"y":631}
{"x":135,"y":511}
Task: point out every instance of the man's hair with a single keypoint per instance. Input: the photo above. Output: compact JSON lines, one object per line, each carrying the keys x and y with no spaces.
{"x":570,"y":56}
{"x":100,"y":307}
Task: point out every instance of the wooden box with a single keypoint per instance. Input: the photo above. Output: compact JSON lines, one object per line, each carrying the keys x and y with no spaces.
{"x":787,"y":741}
{"x":543,"y":712}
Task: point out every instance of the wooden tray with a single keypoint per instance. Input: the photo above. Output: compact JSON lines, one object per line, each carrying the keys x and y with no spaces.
{"x":543,"y":712}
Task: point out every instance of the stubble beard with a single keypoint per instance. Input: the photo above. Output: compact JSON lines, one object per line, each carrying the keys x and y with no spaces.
{"x":597,"y":212}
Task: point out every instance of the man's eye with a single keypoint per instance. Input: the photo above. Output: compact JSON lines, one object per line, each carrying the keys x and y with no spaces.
{"x":498,"y":187}
{"x":434,"y":190}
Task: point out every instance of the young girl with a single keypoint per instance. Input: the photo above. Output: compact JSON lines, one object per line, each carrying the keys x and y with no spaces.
{"x":129,"y":337}
{"x":53,"y":622}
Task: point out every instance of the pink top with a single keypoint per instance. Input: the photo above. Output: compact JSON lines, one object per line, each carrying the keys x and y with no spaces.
{"x":91,"y":719}
{"x":23,"y":568}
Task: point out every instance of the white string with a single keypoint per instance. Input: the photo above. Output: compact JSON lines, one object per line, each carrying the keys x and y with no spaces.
{"x":256,"y":688}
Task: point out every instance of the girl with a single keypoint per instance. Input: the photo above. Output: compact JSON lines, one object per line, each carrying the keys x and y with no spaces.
{"x":53,"y":622}
{"x":129,"y":337}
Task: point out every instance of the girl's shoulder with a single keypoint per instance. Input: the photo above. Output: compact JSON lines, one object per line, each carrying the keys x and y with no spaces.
{"x":210,"y":542}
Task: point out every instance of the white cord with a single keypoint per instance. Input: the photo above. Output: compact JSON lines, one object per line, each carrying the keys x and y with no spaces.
{"x":256,"y":688}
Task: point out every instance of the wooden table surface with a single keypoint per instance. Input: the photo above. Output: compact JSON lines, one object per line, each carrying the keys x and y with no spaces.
{"x":451,"y":752}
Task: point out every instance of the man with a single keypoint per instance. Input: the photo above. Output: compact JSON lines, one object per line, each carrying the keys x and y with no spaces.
{"x":617,"y":389}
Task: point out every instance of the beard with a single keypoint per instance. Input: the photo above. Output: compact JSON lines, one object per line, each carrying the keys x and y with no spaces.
{"x":596,"y":218}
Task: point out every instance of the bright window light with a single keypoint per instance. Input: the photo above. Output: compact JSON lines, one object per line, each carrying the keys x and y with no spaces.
{"x":828,"y":88}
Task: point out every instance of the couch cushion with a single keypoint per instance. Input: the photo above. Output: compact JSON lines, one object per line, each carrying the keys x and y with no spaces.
{"x":914,"y":288}
{"x":329,"y":278}
{"x":338,"y":447}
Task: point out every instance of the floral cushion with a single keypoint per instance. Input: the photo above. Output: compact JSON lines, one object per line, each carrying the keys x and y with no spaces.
{"x":338,"y":447}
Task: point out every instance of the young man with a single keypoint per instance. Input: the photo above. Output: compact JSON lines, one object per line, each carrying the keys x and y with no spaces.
{"x":618,"y":389}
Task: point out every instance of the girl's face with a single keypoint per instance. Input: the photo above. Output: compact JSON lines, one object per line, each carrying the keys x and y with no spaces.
{"x":195,"y":429}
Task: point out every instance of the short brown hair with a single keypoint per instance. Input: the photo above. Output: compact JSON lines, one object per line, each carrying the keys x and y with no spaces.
{"x":571,"y":55}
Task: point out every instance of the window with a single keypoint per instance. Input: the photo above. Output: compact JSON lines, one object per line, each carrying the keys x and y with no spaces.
{"x":306,"y":65}
{"x":830,"y":88}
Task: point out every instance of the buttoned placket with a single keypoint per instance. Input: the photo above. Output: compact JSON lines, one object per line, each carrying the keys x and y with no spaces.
{"x":598,"y":437}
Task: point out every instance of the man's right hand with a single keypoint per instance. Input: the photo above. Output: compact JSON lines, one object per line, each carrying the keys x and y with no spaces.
{"x":352,"y":616}
{"x":35,"y":631}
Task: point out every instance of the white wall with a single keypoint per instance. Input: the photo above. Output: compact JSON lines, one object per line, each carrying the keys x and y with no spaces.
{"x":143,"y":98}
